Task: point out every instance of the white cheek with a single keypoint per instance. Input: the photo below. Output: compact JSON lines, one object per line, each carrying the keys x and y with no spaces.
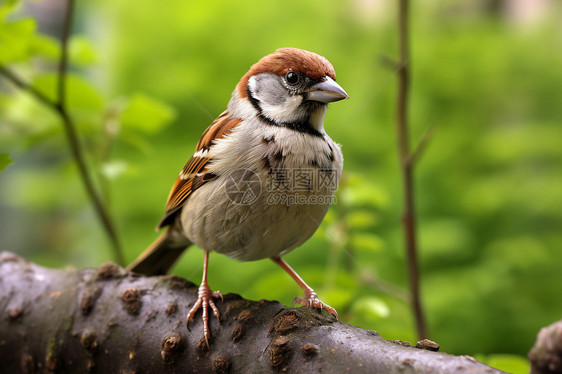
{"x":286,"y":112}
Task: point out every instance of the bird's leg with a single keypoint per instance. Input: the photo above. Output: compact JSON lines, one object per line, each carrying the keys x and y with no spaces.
{"x":205,"y":300}
{"x":310,"y":298}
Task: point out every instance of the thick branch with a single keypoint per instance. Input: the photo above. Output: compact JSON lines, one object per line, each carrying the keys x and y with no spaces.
{"x":110,"y":321}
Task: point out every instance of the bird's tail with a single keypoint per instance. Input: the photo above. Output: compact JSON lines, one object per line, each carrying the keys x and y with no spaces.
{"x":161,"y":255}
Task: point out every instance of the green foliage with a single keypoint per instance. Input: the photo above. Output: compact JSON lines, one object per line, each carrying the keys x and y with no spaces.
{"x":82,"y":97}
{"x":16,"y":39}
{"x":487,"y":187}
{"x":146,"y":114}
{"x":5,"y":160}
{"x":19,"y":40}
{"x":32,"y":131}
{"x":81,"y":51}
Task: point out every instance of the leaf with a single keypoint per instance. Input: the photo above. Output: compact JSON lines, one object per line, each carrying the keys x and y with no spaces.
{"x":44,"y":46}
{"x":15,"y":38}
{"x":26,"y":121}
{"x":5,"y":160}
{"x":136,"y":141}
{"x":146,"y":114}
{"x":6,"y":7}
{"x":81,"y":52}
{"x":11,"y":3}
{"x":81,"y":95}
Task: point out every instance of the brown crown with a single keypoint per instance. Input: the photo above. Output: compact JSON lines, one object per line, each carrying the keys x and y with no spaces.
{"x":285,"y":59}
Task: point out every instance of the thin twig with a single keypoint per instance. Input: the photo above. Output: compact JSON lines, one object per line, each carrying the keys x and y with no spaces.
{"x":422,"y":145}
{"x":74,"y":142}
{"x":21,"y":84}
{"x":59,"y":106}
{"x":409,"y":216}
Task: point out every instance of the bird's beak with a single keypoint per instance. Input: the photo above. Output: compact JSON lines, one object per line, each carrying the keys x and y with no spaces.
{"x":326,"y":92}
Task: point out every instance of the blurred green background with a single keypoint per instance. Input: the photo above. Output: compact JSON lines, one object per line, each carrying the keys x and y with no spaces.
{"x":485,"y":74}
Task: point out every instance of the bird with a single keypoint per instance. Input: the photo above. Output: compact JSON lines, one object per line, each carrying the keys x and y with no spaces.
{"x":262,"y":177}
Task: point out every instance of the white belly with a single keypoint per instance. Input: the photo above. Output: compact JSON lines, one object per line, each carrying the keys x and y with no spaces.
{"x":276,"y":214}
{"x":265,"y":227}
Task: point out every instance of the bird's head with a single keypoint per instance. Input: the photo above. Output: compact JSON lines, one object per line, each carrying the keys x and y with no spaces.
{"x":291,"y":87}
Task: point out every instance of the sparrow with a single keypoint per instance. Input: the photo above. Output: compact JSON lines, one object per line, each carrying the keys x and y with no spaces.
{"x":261,"y":179}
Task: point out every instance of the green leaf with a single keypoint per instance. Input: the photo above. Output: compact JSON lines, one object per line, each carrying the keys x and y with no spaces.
{"x":15,"y":39}
{"x":25,"y":121}
{"x":6,"y":7}
{"x":136,"y":141}
{"x":5,"y":160}
{"x":81,"y":52}
{"x":81,"y":95}
{"x":44,"y":46}
{"x":10,"y":3}
{"x":146,"y":114}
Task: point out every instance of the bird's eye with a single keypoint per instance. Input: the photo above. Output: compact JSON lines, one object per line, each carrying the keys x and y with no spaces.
{"x":292,"y":77}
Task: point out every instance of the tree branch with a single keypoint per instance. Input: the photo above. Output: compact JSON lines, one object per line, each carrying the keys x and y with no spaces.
{"x":60,"y":107}
{"x":63,"y":62}
{"x":109,"y":321}
{"x":409,"y":216}
{"x":22,"y":85}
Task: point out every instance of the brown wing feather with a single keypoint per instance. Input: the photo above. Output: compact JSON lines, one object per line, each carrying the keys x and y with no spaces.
{"x":195,"y":174}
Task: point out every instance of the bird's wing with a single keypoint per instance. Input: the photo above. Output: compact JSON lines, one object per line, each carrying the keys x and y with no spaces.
{"x":195,"y":174}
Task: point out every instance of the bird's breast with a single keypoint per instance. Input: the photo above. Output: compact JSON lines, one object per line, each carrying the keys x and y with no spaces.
{"x":274,"y":187}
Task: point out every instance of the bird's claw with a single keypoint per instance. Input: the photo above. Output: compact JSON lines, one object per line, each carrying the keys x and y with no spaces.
{"x":311,"y":300}
{"x":204,"y":301}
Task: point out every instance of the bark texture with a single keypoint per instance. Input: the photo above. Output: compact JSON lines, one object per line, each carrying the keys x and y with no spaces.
{"x":107,"y":320}
{"x":546,"y":354}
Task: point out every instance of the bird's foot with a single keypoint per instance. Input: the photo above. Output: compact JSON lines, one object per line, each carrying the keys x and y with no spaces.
{"x":311,"y":300}
{"x":204,"y":301}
